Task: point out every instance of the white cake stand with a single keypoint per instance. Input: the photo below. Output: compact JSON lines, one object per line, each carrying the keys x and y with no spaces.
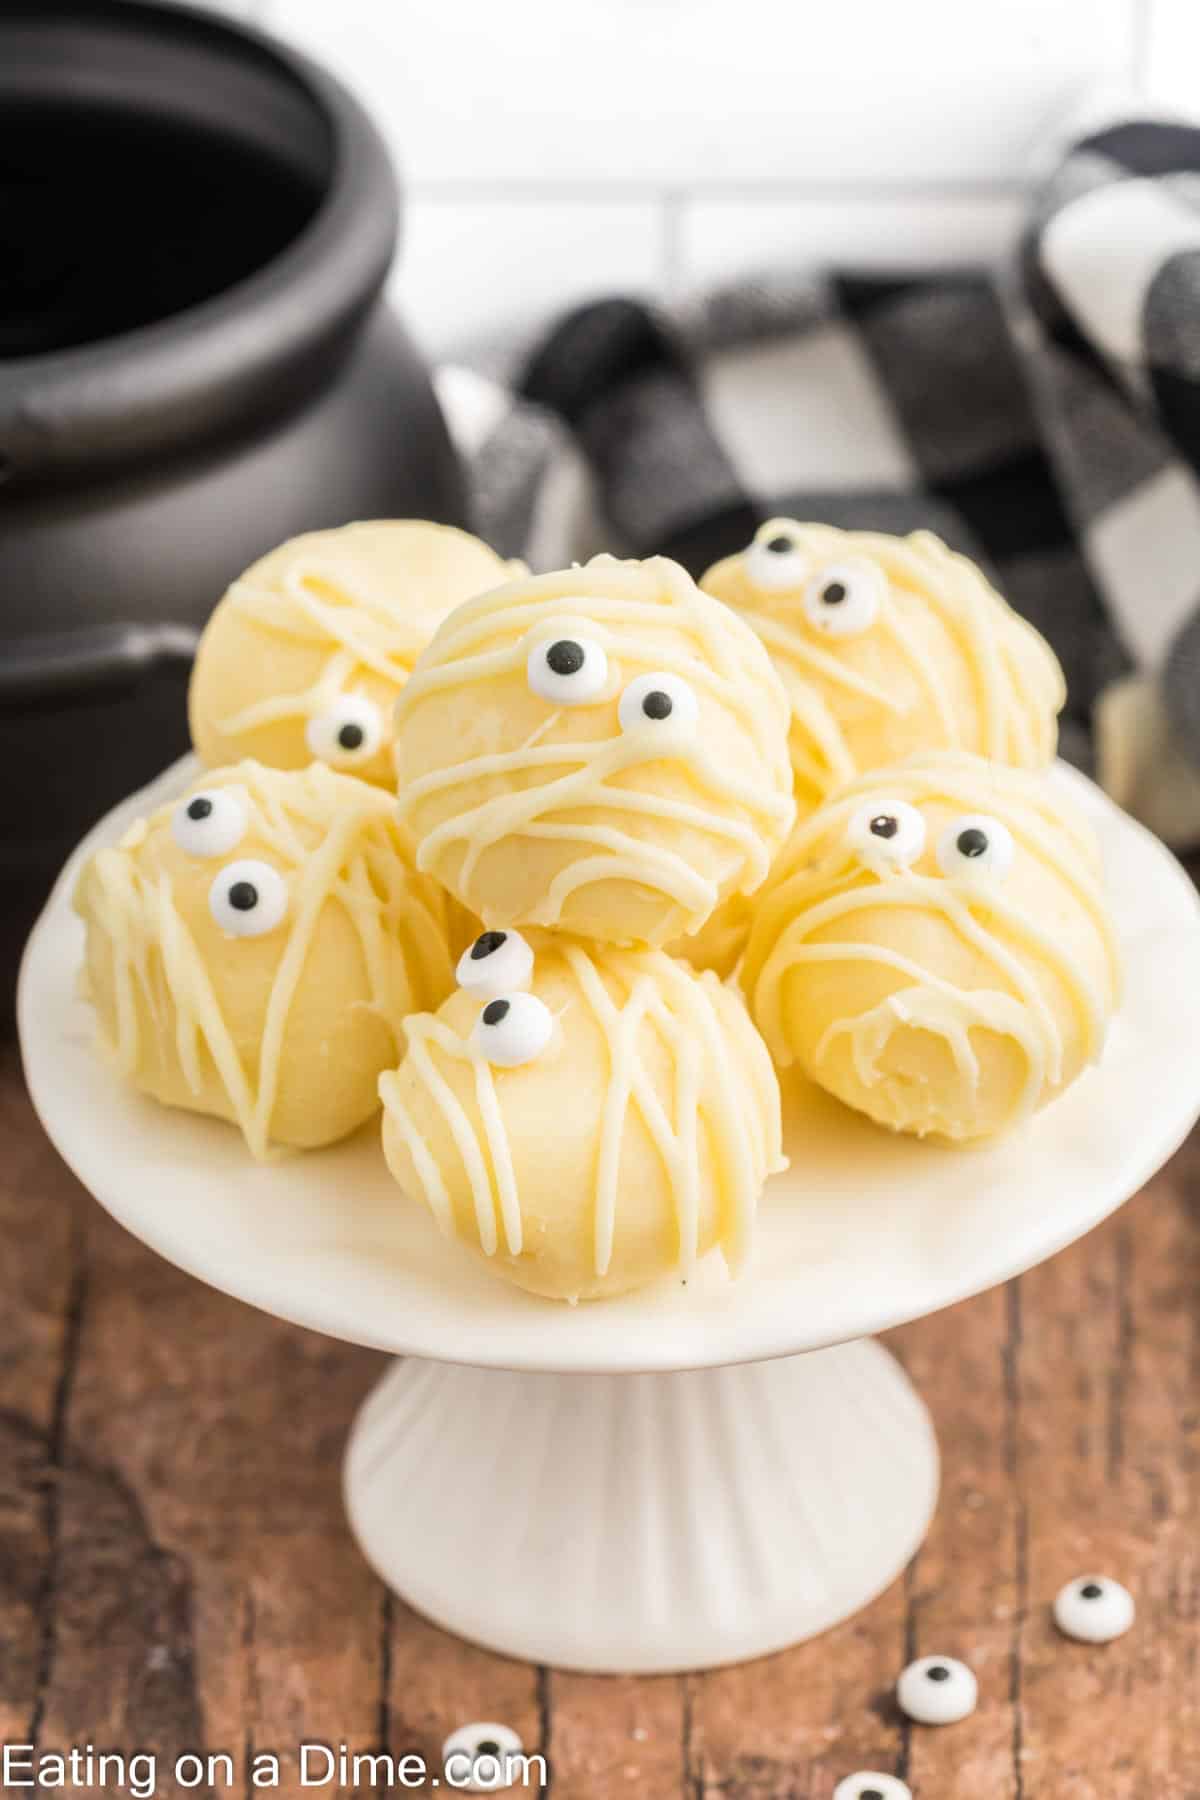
{"x":688,"y":1476}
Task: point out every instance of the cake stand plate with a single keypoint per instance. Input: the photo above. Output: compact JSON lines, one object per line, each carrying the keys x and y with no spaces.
{"x":692,"y":1474}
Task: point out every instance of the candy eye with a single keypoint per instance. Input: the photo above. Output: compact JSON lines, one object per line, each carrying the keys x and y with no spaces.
{"x":497,"y":962}
{"x":248,"y":898}
{"x":844,"y":598}
{"x":350,"y":732}
{"x":867,"y":1785}
{"x":569,"y":671}
{"x":937,"y":1691}
{"x":512,"y":1029}
{"x":209,"y":823}
{"x":476,"y":1758}
{"x":977,"y":847}
{"x":658,"y":700}
{"x":1093,"y":1609}
{"x":887,"y":834}
{"x":775,"y":560}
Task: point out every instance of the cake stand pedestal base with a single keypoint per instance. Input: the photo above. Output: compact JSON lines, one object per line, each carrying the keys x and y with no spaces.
{"x":643,"y":1523}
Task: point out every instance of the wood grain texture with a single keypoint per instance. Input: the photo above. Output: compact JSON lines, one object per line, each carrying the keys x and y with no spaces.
{"x":176,"y":1573}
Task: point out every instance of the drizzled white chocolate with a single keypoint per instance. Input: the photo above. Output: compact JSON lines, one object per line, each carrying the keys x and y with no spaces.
{"x":1041,"y":941}
{"x":316,"y":602}
{"x":165,"y":978}
{"x":679,"y":1054}
{"x":306,"y":652}
{"x":563,"y":815}
{"x":943,"y":662}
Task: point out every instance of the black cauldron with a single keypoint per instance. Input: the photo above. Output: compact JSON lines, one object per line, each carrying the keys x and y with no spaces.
{"x":195,"y":363}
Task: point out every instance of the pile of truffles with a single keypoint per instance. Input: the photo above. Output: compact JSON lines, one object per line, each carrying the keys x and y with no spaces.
{"x":566,"y":869}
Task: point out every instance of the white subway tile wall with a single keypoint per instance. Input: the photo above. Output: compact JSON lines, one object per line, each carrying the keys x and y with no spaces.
{"x":553,"y":152}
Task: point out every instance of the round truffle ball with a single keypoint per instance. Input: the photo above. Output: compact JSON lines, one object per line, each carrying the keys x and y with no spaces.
{"x":253,"y":948}
{"x":603,"y":749}
{"x":888,"y":646}
{"x":303,"y":658}
{"x":935,"y":947}
{"x":605,"y":1126}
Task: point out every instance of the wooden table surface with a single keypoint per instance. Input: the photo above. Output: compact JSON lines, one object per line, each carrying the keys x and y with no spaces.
{"x":176,"y":1573}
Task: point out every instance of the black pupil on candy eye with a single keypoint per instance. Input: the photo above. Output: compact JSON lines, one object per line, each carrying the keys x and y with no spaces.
{"x":884,"y":825}
{"x":779,"y":546}
{"x":494,"y":1011}
{"x":243,"y":896}
{"x":1092,"y":1591}
{"x":834,"y":593}
{"x":657,"y":705}
{"x":938,"y":1673}
{"x":199,"y":808}
{"x":486,"y":944}
{"x":972,"y":842}
{"x":565,"y":657}
{"x":350,"y":737}
{"x":489,"y":1747}
{"x":870,"y":1794}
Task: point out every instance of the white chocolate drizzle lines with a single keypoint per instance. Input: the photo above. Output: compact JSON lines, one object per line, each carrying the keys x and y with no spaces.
{"x":1017,"y":695}
{"x":317,"y":606}
{"x":576,"y":791}
{"x":820,"y":882}
{"x":329,"y":851}
{"x":722,"y":1094}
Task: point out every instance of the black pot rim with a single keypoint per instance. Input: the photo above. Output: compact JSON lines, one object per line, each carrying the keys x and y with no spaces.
{"x":241,"y":355}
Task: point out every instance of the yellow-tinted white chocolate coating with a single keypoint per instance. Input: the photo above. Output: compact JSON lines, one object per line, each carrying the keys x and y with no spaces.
{"x":720,"y":941}
{"x":321,"y":634}
{"x":284,"y":1032}
{"x":535,"y":801}
{"x":918,"y":652}
{"x":946,"y":1003}
{"x":635,"y":1141}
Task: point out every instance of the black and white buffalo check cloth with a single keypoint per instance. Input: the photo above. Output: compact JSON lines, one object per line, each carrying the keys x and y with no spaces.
{"x":1046,"y":420}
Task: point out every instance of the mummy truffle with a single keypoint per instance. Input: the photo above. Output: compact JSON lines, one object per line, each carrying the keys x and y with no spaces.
{"x":305,"y":655}
{"x":253,"y":947}
{"x":888,"y":646}
{"x":602,"y":749}
{"x":935,"y":947}
{"x":608,"y":1124}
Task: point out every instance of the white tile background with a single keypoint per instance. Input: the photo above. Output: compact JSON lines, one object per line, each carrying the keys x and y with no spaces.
{"x":555,"y":149}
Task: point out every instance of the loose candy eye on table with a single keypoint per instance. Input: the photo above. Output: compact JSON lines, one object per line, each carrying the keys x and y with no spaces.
{"x":1093,"y":1609}
{"x":937,"y":1690}
{"x":480,"y":1754}
{"x":868,"y":1785}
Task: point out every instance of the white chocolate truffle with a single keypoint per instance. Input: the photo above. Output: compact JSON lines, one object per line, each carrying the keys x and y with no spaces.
{"x":1095,"y":1609}
{"x":888,"y":646}
{"x":956,"y":987}
{"x":602,"y":749}
{"x":303,"y":658}
{"x":632,"y":1141}
{"x":937,"y":1690}
{"x":263,"y":977}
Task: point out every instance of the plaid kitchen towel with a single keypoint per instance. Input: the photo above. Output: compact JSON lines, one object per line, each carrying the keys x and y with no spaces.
{"x":1046,"y":422}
